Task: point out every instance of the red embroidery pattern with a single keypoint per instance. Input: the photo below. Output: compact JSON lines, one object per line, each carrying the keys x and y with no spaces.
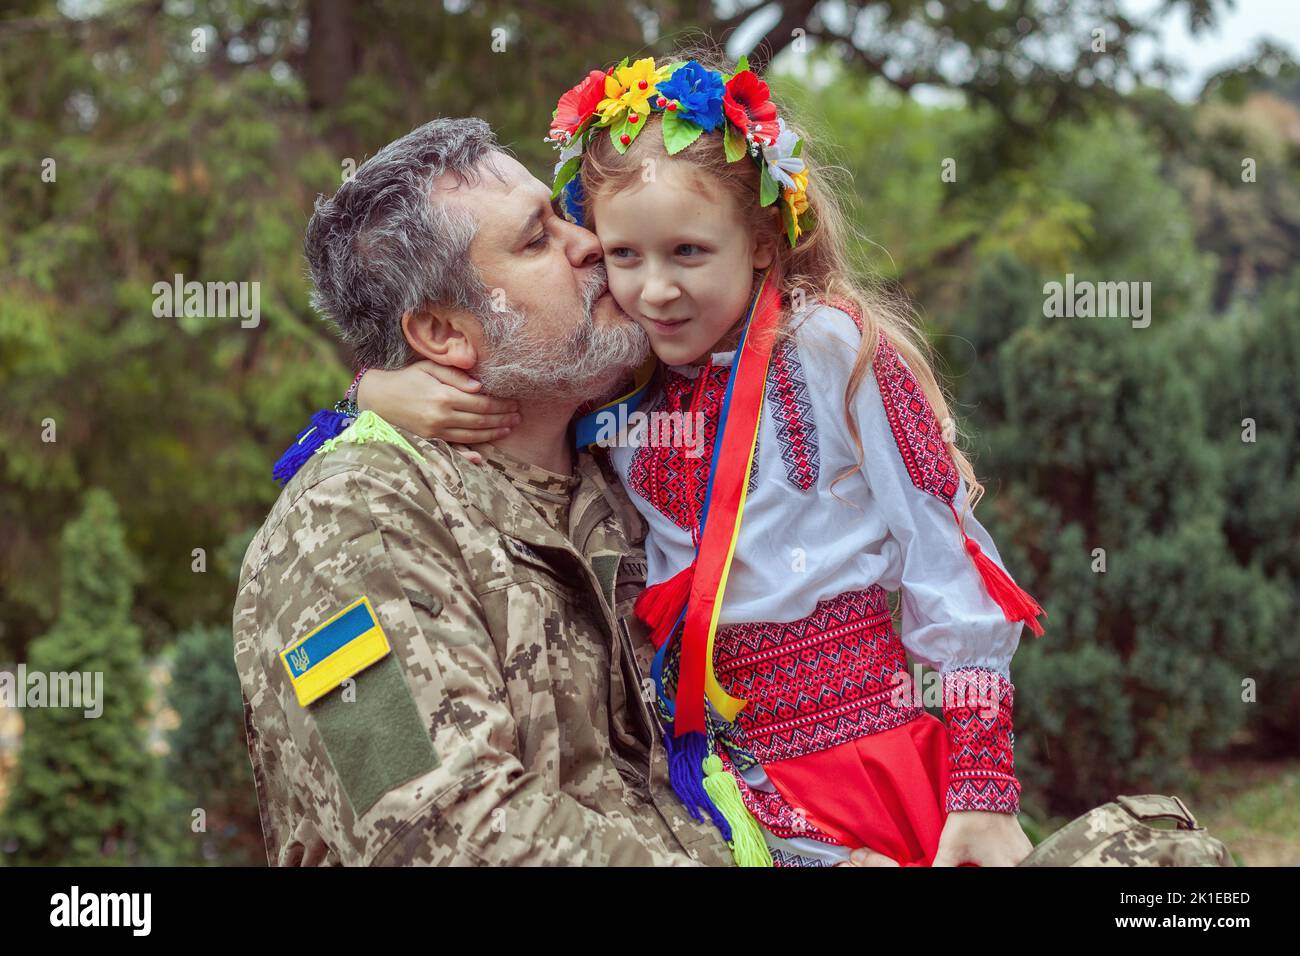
{"x":916,"y":429}
{"x":911,"y":417}
{"x":817,"y":682}
{"x":792,"y":408}
{"x":977,"y":705}
{"x":664,"y":475}
{"x":662,"y":472}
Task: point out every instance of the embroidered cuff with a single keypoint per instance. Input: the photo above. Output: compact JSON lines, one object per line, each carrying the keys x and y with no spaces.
{"x":977,"y":711}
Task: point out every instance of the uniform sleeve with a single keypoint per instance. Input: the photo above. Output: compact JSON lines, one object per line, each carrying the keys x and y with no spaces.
{"x":421,"y":765}
{"x":949,"y":621}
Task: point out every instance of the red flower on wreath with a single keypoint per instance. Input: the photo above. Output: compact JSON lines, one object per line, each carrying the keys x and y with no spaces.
{"x":747,"y":104}
{"x":577,"y":105}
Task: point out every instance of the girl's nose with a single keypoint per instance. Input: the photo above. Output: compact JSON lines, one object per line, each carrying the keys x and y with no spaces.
{"x":658,"y":291}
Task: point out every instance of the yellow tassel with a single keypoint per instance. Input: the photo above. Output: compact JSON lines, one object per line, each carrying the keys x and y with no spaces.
{"x":747,"y":843}
{"x":367,"y":428}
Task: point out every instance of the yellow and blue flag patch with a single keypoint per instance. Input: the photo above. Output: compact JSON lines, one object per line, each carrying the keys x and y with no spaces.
{"x":347,"y":643}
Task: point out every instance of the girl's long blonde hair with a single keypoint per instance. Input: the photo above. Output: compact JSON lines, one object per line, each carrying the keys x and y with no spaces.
{"x":816,"y":268}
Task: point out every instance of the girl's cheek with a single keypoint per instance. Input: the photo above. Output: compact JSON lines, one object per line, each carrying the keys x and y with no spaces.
{"x":625,"y":294}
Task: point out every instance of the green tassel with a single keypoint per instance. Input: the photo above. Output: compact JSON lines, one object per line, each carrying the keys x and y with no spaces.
{"x":747,"y":843}
{"x":367,"y":428}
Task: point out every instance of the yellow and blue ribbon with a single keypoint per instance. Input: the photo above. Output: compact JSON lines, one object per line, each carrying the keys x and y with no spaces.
{"x":587,"y":427}
{"x":737,"y":434}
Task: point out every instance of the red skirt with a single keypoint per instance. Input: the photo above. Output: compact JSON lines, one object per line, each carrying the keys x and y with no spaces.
{"x":884,"y":792}
{"x":846,"y":745}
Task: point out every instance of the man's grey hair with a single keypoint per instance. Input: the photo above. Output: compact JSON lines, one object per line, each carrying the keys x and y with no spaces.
{"x":380,"y":246}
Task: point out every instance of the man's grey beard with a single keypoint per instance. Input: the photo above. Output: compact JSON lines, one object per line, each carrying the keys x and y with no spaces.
{"x":587,"y":364}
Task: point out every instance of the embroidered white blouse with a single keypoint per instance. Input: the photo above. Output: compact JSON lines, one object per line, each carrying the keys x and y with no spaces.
{"x":799,"y":546}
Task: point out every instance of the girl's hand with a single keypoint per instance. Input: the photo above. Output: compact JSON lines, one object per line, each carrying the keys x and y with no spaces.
{"x":983,"y":838}
{"x":437,"y":402}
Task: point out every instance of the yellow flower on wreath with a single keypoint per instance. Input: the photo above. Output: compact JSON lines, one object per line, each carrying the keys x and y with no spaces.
{"x":797,"y":198}
{"x":630,"y":88}
{"x":799,"y":192}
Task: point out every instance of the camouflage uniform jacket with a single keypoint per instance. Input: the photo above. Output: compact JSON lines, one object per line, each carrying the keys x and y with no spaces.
{"x":507,"y":724}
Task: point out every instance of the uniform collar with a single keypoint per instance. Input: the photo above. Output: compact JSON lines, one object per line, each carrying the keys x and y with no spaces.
{"x":507,"y":492}
{"x":528,"y":477}
{"x":551,"y":493}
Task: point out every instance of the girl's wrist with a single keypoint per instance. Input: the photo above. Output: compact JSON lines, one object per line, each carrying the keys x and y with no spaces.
{"x":348,"y":404}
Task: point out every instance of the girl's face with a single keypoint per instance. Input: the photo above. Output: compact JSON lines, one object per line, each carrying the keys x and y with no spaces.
{"x":680,"y":263}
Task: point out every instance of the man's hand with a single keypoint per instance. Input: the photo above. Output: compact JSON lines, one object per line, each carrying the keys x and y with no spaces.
{"x":864,"y":857}
{"x":977,"y":836}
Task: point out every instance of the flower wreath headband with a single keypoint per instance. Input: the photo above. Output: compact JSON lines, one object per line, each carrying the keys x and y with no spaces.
{"x":692,"y":101}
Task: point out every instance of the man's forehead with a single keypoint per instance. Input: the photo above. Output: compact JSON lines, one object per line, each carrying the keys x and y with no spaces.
{"x":501,"y":176}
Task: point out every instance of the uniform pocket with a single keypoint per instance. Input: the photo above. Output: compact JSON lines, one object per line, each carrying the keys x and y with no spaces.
{"x":516,"y":562}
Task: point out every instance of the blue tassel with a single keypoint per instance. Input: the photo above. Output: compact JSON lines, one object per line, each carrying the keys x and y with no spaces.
{"x":686,"y":756}
{"x":325,"y":424}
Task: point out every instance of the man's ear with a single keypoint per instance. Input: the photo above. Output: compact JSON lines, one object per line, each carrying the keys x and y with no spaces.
{"x":440,"y":336}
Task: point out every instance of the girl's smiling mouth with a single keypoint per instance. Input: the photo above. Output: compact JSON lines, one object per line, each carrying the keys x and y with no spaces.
{"x":668,"y":326}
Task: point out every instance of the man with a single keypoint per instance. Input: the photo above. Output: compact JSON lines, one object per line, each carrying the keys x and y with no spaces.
{"x":436,"y":658}
{"x":439,"y":662}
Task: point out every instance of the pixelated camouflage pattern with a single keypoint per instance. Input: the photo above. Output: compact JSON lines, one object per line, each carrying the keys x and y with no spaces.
{"x":1121,"y":834}
{"x":515,"y":641}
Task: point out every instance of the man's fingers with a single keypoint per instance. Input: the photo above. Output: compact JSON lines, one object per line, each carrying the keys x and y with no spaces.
{"x":999,"y":858}
{"x":865,"y":857}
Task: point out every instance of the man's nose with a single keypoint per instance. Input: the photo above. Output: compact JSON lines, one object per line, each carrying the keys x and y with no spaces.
{"x":582,"y":246}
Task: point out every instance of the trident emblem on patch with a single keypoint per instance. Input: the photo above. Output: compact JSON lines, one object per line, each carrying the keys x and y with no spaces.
{"x":299,"y":659}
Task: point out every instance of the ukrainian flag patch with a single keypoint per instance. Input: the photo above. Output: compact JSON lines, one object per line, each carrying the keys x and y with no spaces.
{"x":347,"y":643}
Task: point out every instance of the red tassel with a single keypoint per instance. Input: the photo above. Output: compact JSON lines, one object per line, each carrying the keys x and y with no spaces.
{"x":1016,"y":603}
{"x":660,"y":604}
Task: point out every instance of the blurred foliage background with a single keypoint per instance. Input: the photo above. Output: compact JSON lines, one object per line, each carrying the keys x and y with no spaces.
{"x":140,"y":140}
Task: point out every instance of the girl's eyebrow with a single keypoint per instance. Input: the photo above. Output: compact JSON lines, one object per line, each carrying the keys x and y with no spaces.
{"x":681,"y":240}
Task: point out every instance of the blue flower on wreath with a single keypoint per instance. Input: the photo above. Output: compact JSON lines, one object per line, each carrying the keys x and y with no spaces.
{"x":573,"y":196}
{"x":699,"y":94}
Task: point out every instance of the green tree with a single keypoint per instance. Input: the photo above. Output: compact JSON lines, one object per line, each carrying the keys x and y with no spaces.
{"x":1253,"y":391}
{"x":1096,"y":433}
{"x":208,"y":755}
{"x":87,"y":790}
{"x":141,"y":140}
{"x":169,"y":156}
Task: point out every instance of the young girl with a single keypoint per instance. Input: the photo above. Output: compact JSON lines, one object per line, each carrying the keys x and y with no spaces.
{"x":828,"y":478}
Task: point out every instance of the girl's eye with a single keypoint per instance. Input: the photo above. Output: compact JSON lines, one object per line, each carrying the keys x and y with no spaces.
{"x":622,"y":252}
{"x":687,"y":245}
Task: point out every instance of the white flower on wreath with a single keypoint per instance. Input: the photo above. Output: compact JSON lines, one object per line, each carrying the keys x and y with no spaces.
{"x":780,"y":158}
{"x":567,"y":153}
